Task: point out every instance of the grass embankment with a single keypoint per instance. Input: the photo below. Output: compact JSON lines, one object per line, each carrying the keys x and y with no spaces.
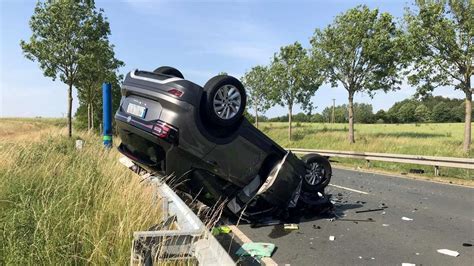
{"x":420,"y":139}
{"x":59,"y":205}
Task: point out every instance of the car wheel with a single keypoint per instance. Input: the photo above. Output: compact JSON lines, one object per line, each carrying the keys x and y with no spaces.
{"x":225,"y":100}
{"x":170,"y":71}
{"x":318,"y":172}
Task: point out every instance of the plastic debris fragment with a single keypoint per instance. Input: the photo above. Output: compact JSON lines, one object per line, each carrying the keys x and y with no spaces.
{"x":408,"y":264}
{"x":221,"y":230}
{"x":291,"y":226}
{"x":448,"y":252}
{"x":407,"y":219}
{"x":370,"y":210}
{"x":331,"y":238}
{"x":255,"y":249}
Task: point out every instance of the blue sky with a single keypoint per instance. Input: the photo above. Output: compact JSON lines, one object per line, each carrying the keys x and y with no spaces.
{"x":200,"y":38}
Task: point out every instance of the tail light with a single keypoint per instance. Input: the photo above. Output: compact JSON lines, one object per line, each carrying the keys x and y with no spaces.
{"x":165,"y":131}
{"x":176,"y":92}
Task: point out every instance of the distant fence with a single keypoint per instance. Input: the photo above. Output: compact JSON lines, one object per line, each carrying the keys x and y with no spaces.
{"x":452,"y":162}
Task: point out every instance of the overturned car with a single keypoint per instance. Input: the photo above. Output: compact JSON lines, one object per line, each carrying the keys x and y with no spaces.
{"x":174,"y":127}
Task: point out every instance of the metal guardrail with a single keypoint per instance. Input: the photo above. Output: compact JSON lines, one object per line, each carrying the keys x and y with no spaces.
{"x":452,"y":162}
{"x":190,"y":237}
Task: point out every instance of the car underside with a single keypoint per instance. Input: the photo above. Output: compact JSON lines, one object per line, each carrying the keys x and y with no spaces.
{"x":198,"y":138}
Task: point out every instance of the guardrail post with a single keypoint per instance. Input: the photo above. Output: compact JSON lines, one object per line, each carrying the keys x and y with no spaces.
{"x":436,"y":170}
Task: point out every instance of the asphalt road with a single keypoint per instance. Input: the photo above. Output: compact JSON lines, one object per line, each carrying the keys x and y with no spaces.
{"x":443,"y":218}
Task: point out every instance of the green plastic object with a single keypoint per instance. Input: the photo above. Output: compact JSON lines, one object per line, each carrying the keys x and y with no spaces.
{"x":221,"y":230}
{"x":255,"y":249}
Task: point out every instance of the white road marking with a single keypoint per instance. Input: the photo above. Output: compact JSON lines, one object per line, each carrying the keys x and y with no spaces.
{"x":350,"y":189}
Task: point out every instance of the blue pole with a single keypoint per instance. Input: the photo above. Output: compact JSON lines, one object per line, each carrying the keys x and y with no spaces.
{"x":107,"y":114}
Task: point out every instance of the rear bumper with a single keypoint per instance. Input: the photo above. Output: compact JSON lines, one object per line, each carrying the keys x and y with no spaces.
{"x":140,"y":145}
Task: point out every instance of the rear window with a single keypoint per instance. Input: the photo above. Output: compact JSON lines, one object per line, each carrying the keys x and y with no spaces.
{"x":152,"y":75}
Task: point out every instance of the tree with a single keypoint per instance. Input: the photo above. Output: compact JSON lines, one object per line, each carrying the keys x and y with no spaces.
{"x":293,"y":79}
{"x":256,"y":84}
{"x":406,"y":113}
{"x":61,"y":31}
{"x":422,"y":113}
{"x":340,"y":114}
{"x":441,"y":45}
{"x":102,"y":66}
{"x":360,"y":50}
{"x":363,"y":113}
{"x":381,"y":116}
{"x":441,"y":113}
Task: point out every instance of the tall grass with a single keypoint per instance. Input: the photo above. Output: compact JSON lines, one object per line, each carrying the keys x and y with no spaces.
{"x":59,"y":205}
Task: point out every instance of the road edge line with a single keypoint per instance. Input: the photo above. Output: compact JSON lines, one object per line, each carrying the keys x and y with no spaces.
{"x":349,"y":189}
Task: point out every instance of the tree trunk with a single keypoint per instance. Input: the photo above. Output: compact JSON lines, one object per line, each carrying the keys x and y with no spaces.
{"x":467,"y":122}
{"x":69,"y":110}
{"x":351,"y":117}
{"x":92,"y":116}
{"x":256,"y":116}
{"x":290,"y":108}
{"x":88,"y":117}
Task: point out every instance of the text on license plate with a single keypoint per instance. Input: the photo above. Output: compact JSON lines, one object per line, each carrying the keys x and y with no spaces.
{"x":136,"y":110}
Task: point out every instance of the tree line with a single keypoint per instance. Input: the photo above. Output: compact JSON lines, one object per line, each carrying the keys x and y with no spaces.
{"x":430,"y":109}
{"x":367,"y":51}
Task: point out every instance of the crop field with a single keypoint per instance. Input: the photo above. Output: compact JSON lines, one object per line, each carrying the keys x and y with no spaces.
{"x":62,"y":206}
{"x":444,"y":139}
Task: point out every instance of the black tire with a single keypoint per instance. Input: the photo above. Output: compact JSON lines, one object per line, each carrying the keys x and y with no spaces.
{"x":170,"y":71}
{"x":323,"y":172}
{"x":234,"y":89}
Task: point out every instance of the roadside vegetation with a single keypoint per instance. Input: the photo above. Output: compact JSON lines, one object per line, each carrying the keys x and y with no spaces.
{"x":62,"y":206}
{"x":435,"y":139}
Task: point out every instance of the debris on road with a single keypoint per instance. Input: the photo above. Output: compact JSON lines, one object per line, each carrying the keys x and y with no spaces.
{"x":406,"y":219}
{"x":448,"y":252}
{"x":221,"y":230}
{"x":291,"y":226}
{"x":370,"y":210}
{"x":385,"y":225}
{"x":255,"y":249}
{"x":357,"y":220}
{"x":408,"y":264}
{"x":316,"y":226}
{"x":331,"y":238}
{"x":466,"y":244}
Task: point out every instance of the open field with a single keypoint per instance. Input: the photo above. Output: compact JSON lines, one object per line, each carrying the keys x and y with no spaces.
{"x":61,"y":206}
{"x":416,"y":139}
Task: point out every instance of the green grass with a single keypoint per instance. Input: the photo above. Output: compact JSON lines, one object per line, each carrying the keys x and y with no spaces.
{"x":61,"y":206}
{"x":415,"y":139}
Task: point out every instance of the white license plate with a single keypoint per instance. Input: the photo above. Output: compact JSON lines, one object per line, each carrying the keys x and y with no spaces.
{"x":136,"y":110}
